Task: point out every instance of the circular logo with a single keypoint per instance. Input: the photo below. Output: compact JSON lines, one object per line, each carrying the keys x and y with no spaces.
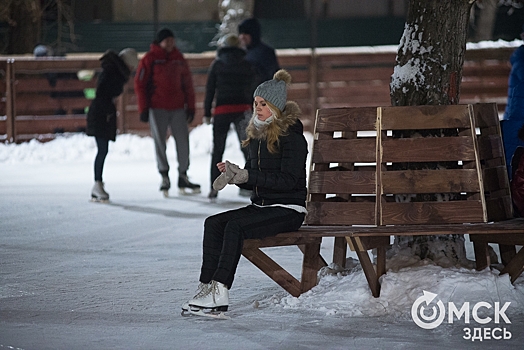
{"x":435,"y":317}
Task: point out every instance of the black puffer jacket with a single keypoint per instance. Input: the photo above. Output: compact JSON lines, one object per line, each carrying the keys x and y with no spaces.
{"x":101,"y":118}
{"x":231,"y":78}
{"x":279,"y":178}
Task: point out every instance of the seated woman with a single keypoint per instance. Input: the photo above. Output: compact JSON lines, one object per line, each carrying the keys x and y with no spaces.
{"x":275,"y":172}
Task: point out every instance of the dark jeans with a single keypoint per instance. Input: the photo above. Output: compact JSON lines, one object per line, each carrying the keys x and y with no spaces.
{"x":224,"y":236}
{"x":103,"y":146}
{"x":221,"y":123}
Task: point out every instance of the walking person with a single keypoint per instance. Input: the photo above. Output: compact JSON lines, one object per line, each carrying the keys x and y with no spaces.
{"x":513,"y":119}
{"x":276,"y":173}
{"x":101,"y":117}
{"x":258,"y":53}
{"x":164,"y":90}
{"x":231,"y":80}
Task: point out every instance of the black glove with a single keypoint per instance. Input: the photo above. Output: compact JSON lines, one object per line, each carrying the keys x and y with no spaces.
{"x":144,"y":116}
{"x":190,"y":115}
{"x":521,"y":133}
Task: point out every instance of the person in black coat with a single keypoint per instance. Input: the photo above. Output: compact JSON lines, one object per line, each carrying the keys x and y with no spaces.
{"x":276,"y":173}
{"x":230,"y":83}
{"x":101,"y":117}
{"x":258,"y":53}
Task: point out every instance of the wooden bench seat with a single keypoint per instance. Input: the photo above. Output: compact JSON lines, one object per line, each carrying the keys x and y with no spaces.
{"x":355,"y":201}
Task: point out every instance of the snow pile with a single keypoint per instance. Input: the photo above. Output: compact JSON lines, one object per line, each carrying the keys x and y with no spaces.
{"x":81,"y":148}
{"x":346,"y":292}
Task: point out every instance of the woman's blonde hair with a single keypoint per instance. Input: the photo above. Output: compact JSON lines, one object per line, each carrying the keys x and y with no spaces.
{"x":272,"y":133}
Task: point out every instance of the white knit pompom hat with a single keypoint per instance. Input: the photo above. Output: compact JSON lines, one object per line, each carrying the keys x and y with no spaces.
{"x":130,"y":57}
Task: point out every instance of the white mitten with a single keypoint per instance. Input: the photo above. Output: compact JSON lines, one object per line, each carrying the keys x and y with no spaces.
{"x":224,"y":178}
{"x":240,"y":175}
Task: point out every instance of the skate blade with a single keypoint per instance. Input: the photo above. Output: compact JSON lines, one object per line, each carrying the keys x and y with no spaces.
{"x":97,"y":200}
{"x":188,"y":191}
{"x":219,"y":315}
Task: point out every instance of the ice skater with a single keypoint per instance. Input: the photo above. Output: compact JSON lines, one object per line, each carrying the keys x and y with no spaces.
{"x":231,"y":81}
{"x":276,"y":173}
{"x":165,"y":96}
{"x":101,"y":117}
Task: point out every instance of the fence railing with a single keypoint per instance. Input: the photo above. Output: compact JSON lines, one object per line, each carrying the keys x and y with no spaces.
{"x":41,"y":98}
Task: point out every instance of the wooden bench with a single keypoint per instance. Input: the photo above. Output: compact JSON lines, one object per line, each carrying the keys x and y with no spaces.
{"x":355,"y":201}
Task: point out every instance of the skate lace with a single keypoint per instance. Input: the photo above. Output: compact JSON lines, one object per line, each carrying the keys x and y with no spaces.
{"x":203,"y":290}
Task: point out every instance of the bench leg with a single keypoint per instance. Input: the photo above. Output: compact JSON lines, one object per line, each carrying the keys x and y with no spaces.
{"x":321,"y":261}
{"x":339,"y":251}
{"x":273,"y":270}
{"x":515,"y":266}
{"x":482,"y":259}
{"x":507,"y":252}
{"x":367,"y":266}
{"x":310,"y":266}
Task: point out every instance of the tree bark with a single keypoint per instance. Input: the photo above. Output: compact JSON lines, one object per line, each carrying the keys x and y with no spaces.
{"x":428,"y":71}
{"x":487,"y":13}
{"x":232,"y":13}
{"x":24,"y":18}
{"x":429,"y":61}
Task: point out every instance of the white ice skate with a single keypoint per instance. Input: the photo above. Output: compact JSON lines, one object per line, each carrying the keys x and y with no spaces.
{"x":98,"y":194}
{"x":211,"y":300}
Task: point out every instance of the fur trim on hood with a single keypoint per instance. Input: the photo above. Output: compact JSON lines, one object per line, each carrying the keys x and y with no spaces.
{"x":287,"y":121}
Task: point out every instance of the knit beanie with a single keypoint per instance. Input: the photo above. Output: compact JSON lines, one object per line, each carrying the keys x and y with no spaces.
{"x":163,"y":34}
{"x":275,"y":91}
{"x":229,"y":40}
{"x":250,"y":26}
{"x":129,"y":57}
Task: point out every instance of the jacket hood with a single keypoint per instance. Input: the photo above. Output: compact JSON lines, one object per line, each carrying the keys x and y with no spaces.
{"x":111,"y":60}
{"x":251,"y":26}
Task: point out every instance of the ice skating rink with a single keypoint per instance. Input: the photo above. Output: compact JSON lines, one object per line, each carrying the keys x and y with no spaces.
{"x":82,"y":275}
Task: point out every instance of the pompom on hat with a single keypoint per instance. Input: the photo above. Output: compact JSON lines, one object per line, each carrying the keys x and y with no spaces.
{"x":130,"y":57}
{"x":275,"y":90}
{"x":229,"y":40}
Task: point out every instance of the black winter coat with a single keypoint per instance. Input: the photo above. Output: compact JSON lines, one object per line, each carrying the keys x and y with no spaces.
{"x":278,"y":178}
{"x":101,"y":118}
{"x":231,"y":78}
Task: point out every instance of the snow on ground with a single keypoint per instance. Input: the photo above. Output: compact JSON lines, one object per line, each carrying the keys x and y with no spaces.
{"x":66,"y":264}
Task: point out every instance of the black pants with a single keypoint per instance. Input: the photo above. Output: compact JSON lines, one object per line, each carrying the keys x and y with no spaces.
{"x":103,"y":146}
{"x":224,"y":236}
{"x":221,"y":123}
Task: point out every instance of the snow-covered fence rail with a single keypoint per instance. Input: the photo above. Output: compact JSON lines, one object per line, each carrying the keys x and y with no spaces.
{"x":37,"y":101}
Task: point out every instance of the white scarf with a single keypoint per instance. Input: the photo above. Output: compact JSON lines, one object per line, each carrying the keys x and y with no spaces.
{"x":261,"y":124}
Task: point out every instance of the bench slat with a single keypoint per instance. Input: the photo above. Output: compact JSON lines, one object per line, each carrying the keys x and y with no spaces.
{"x":420,"y":213}
{"x":428,"y":149}
{"x":425,"y":117}
{"x":430,"y":181}
{"x":342,"y":182}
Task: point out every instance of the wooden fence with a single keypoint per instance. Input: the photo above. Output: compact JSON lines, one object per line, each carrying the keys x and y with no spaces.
{"x":39,"y":102}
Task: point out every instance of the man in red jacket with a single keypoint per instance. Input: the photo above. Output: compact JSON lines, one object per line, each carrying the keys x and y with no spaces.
{"x":164,"y":90}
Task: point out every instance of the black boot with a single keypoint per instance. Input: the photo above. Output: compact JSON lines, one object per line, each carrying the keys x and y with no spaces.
{"x":166,"y":184}
{"x":184,"y":184}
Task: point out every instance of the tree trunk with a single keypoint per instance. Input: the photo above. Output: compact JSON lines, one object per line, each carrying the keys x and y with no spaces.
{"x":232,"y":13}
{"x":487,"y":13}
{"x":24,"y":26}
{"x":431,"y":53}
{"x":428,"y":71}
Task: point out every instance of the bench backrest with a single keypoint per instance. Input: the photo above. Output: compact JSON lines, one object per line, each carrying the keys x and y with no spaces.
{"x":436,"y":165}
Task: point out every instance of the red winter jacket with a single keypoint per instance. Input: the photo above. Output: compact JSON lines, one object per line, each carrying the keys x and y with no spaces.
{"x":172,"y":84}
